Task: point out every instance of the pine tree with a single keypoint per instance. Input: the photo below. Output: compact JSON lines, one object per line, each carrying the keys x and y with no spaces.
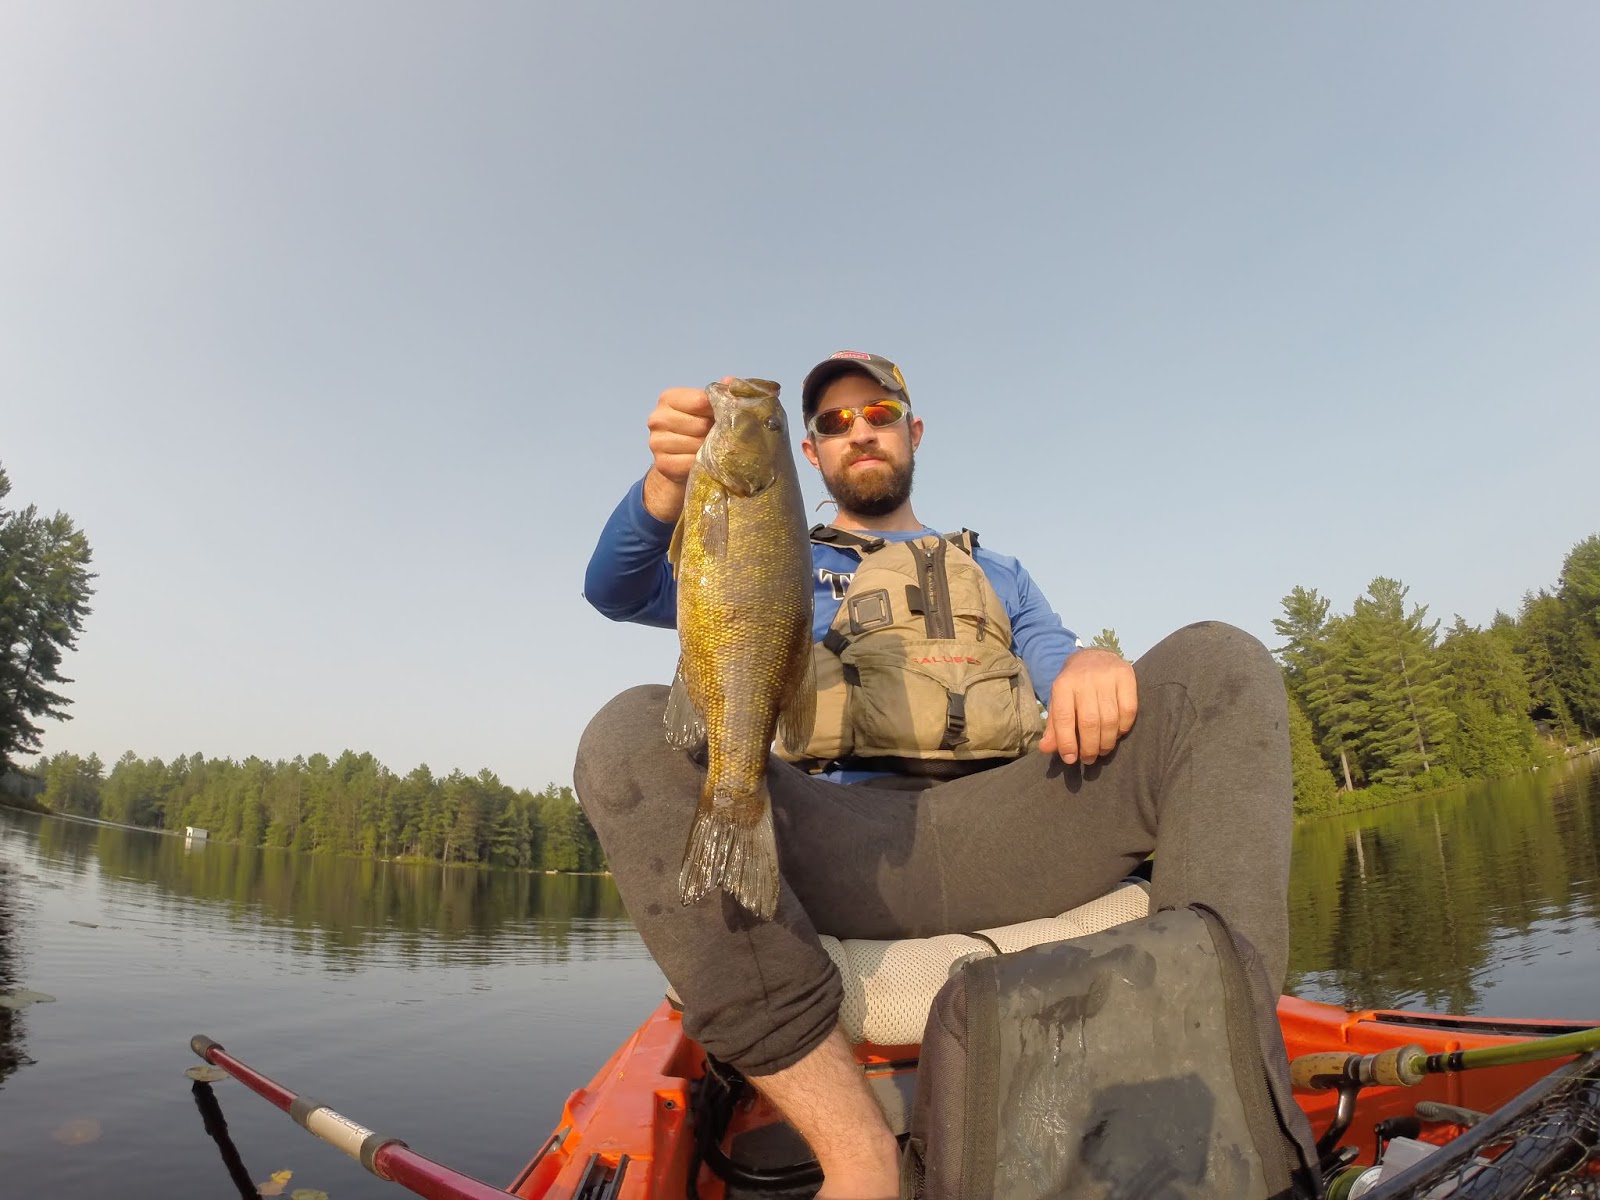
{"x":1579,"y":589}
{"x":71,"y":784}
{"x":1578,"y":669}
{"x":1107,"y":639}
{"x":1314,"y":787}
{"x":1490,"y":700}
{"x":1396,"y":671}
{"x":1315,"y":672}
{"x":563,"y":825}
{"x":1541,"y":643}
{"x":44,"y":597}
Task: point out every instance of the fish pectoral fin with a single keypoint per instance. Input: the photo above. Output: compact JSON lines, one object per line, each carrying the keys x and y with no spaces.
{"x":714,"y":523}
{"x":675,"y":547}
{"x":799,"y":715}
{"x":686,"y":728}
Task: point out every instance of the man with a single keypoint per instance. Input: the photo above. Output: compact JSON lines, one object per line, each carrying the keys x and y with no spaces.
{"x":992,"y":831}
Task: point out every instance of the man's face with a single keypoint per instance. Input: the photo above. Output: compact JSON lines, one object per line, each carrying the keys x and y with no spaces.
{"x":867,"y":471}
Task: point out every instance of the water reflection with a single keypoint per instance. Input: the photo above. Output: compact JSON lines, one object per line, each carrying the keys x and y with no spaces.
{"x":11,"y":1055}
{"x":347,"y":910}
{"x":216,"y":1127}
{"x":1431,"y":902}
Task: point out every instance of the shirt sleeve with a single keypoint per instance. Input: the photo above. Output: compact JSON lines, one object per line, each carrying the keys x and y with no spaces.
{"x":629,"y":578}
{"x":1041,"y":641}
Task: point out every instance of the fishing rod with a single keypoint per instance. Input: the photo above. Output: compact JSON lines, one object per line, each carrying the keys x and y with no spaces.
{"x":386,"y":1157}
{"x":1406,"y":1066}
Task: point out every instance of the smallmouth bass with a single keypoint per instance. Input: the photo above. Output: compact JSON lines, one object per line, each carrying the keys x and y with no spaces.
{"x":742,"y":559}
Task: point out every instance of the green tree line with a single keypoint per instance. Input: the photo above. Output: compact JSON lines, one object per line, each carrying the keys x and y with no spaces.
{"x":1379,"y":700}
{"x":349,"y":805}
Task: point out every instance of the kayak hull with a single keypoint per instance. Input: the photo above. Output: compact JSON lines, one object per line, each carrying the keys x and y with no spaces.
{"x":626,"y":1136}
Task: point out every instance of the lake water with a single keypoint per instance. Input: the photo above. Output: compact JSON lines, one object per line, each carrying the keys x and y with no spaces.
{"x":457,"y":1009}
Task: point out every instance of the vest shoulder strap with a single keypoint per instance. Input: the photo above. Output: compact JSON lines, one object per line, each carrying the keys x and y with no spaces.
{"x":845,"y":539}
{"x":967,"y":539}
{"x":863,"y":544}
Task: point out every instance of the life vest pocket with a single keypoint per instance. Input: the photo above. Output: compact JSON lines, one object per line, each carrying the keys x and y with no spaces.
{"x":937,"y":698}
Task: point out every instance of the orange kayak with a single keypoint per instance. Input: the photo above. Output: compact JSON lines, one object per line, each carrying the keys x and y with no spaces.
{"x":629,"y":1134}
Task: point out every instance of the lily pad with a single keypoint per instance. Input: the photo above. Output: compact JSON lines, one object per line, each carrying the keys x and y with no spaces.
{"x":307,"y":1194}
{"x":23,"y":997}
{"x":206,"y":1074}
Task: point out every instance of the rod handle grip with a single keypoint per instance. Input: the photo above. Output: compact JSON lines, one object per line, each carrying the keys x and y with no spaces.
{"x":1306,"y":1073}
{"x":1399,"y":1066}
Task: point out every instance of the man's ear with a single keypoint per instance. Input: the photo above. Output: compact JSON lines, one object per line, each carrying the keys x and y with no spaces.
{"x":810,"y":452}
{"x":916,"y":432}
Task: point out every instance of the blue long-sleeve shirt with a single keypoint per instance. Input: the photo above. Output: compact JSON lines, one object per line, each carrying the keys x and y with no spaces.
{"x":629,"y":579}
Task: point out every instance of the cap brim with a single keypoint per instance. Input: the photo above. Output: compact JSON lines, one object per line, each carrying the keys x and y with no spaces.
{"x":829,"y":369}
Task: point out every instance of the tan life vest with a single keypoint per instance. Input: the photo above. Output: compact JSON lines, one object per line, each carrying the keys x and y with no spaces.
{"x":916,"y":674}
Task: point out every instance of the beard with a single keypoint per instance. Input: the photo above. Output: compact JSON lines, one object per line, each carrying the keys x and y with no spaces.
{"x":872,"y":494}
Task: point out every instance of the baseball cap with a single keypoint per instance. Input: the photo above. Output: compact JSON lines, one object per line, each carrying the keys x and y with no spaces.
{"x":843,"y":362}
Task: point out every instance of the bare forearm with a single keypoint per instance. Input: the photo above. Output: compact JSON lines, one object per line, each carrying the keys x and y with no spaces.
{"x":663,"y":498}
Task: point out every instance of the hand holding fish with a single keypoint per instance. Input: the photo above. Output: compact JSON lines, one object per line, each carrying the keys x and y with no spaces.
{"x":679,"y":425}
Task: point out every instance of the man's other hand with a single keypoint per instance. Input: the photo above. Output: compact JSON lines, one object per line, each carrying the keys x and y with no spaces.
{"x":1093,"y":703}
{"x":678,"y":424}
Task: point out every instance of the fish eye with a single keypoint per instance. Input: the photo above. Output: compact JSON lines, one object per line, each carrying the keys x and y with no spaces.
{"x":773,"y":423}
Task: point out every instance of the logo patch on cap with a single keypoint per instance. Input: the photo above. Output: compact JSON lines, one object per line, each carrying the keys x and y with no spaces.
{"x":850,"y":354}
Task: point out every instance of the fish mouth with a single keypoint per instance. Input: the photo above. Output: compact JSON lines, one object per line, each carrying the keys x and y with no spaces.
{"x":740,"y":452}
{"x":728,"y":398}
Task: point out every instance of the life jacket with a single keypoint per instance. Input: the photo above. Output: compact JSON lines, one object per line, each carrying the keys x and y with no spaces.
{"x":916,"y":674}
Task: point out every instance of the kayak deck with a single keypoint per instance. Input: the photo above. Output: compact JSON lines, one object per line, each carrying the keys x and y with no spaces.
{"x":627,"y":1135}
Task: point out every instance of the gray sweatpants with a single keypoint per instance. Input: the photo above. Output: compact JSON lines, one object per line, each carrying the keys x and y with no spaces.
{"x":1202,"y":780}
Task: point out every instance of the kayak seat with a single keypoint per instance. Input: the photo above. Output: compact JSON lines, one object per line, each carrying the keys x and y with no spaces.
{"x":889,"y":985}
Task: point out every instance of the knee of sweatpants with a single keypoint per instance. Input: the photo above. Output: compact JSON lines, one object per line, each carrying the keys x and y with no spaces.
{"x":1213,"y":648}
{"x":618,"y":748}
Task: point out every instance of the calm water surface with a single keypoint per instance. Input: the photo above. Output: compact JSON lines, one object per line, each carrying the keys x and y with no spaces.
{"x":456,"y":1009}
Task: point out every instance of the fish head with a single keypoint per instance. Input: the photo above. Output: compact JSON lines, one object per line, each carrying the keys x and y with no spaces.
{"x":750,"y":437}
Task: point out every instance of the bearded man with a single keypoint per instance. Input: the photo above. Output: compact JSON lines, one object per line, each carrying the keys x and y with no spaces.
{"x":932,"y":798}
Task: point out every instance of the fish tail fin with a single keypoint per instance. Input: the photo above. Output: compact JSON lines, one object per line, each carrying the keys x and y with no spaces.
{"x":729,"y":850}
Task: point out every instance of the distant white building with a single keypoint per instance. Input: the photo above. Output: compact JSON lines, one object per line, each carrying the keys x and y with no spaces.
{"x":194,"y":833}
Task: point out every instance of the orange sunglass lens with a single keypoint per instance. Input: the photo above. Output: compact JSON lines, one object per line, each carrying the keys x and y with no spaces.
{"x":834,"y":421}
{"x":839,"y":420}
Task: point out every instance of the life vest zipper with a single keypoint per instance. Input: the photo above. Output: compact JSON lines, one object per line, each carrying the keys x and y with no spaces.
{"x":937,"y":619}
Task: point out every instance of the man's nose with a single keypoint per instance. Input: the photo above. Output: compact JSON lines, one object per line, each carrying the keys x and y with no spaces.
{"x":862,"y":431}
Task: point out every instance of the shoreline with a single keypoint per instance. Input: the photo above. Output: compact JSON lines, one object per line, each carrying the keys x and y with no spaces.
{"x":399,"y":860}
{"x":1361,"y":800}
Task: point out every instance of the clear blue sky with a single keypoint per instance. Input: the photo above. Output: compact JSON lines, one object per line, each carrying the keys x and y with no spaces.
{"x":335,"y":326}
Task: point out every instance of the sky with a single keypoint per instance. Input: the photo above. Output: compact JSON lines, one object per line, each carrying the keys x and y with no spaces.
{"x":335,"y":326}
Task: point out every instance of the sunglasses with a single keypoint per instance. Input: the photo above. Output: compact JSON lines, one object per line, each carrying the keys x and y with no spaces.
{"x":880,"y":414}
